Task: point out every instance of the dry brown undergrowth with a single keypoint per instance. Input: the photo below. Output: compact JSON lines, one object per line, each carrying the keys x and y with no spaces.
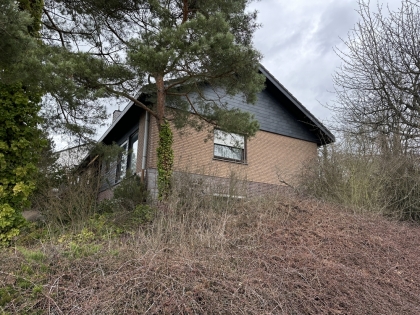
{"x":273,"y":255}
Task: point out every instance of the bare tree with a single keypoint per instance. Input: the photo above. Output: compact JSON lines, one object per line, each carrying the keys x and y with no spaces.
{"x":378,"y":84}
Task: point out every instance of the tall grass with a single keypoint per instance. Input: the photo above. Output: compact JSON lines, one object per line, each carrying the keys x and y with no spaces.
{"x":206,"y":251}
{"x":199,"y":212}
{"x":366,"y":179}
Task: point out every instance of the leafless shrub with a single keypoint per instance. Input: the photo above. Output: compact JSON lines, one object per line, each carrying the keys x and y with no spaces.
{"x":377,"y":86}
{"x":70,"y":200}
{"x":197,"y":211}
{"x":367,"y":179}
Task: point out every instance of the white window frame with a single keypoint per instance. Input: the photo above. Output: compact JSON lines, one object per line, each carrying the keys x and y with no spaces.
{"x":228,"y":146}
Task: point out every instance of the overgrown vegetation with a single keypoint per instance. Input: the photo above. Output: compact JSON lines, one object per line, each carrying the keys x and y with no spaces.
{"x":211,"y":254}
{"x":20,"y":144}
{"x":21,"y":140}
{"x":376,"y":167}
{"x":67,"y":201}
{"x":367,"y":177}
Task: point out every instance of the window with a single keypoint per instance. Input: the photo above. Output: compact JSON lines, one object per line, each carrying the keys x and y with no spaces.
{"x":121,"y":163}
{"x":229,"y":146}
{"x":127,"y":159}
{"x":132,"y":151}
{"x":107,"y":167}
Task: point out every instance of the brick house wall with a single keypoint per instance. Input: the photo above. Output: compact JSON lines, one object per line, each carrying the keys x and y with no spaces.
{"x":288,"y":138}
{"x":269,"y":157}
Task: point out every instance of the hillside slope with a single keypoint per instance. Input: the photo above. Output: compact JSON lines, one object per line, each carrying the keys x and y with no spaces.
{"x":277,"y":256}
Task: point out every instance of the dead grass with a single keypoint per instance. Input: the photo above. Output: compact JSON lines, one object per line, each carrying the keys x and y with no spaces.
{"x":273,"y":255}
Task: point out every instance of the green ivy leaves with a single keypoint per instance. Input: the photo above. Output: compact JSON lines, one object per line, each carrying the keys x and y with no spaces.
{"x":165,"y":156}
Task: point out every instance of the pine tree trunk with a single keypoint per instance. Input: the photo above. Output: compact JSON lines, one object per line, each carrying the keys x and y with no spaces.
{"x":164,"y":149}
{"x":160,"y":103}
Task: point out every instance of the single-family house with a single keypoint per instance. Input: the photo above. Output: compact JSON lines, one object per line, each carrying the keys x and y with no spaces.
{"x":289,"y":136}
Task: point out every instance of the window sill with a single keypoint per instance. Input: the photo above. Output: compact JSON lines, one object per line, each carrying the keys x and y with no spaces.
{"x":230,"y":161}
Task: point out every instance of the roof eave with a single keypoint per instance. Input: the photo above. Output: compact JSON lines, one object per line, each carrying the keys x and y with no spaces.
{"x":114,"y":123}
{"x":329,"y":137}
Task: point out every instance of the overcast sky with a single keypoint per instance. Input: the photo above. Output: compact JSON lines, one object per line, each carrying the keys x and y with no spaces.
{"x":297,"y":38}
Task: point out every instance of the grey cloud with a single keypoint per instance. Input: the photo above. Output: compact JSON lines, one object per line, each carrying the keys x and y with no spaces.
{"x":335,"y":22}
{"x":297,"y":41}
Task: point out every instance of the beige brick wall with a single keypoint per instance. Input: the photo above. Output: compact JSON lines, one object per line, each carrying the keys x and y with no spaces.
{"x":269,"y":156}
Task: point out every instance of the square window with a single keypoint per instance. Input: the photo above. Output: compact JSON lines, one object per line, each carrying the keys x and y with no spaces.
{"x":229,"y":146}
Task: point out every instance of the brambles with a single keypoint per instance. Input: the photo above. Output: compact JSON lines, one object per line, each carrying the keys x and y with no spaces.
{"x":130,"y":193}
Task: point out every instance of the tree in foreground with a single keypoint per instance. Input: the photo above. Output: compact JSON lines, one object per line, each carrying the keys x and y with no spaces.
{"x":15,"y":39}
{"x":169,"y":48}
{"x":20,"y":137}
{"x":378,"y":85}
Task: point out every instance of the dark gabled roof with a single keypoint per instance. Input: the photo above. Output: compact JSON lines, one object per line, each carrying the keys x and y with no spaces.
{"x":324,"y":135}
{"x":131,"y":112}
{"x":129,"y":116}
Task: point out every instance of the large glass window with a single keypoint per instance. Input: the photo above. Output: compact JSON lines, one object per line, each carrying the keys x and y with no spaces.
{"x":133,"y":151}
{"x":127,"y":160}
{"x":229,"y":146}
{"x":121,"y":163}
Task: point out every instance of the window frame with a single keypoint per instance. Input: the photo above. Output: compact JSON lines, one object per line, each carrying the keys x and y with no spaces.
{"x":227,"y":159}
{"x":130,"y":150}
{"x":126,"y":156}
{"x":119,"y":175}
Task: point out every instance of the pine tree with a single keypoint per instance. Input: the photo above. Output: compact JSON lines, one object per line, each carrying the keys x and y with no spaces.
{"x":20,"y":137}
{"x":169,"y":48}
